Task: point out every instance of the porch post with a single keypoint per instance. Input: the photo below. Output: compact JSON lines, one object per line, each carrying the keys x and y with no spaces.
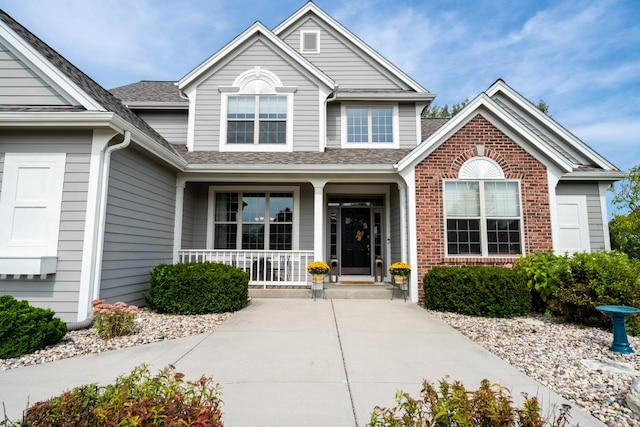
{"x":318,"y":218}
{"x":408,"y":223}
{"x":181,"y":183}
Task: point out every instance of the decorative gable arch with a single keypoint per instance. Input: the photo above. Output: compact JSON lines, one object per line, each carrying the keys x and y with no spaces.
{"x":257,"y":81}
{"x":480,"y":168}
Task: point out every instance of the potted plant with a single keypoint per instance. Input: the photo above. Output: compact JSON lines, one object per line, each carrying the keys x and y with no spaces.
{"x":399,"y":270}
{"x":318,"y":269}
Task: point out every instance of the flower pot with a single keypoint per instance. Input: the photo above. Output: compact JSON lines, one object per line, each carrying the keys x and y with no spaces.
{"x":317,"y":278}
{"x":398,"y":280}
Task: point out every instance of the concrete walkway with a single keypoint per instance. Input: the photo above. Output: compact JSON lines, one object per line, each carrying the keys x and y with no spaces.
{"x":292,"y":362}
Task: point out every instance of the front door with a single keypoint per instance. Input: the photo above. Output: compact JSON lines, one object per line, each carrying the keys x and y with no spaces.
{"x":356,"y":241}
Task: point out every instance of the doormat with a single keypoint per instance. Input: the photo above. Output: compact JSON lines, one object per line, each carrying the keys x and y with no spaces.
{"x":355,"y":282}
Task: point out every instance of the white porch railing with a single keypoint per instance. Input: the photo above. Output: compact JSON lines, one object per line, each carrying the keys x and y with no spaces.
{"x":265,"y":268}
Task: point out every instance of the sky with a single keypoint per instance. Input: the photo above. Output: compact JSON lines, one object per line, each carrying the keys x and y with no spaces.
{"x":581,"y":57}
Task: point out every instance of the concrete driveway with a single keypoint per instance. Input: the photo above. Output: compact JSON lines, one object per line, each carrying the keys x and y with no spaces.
{"x":293,"y":362}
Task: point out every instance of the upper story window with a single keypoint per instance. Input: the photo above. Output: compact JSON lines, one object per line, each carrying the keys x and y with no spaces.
{"x":257,"y":120}
{"x":370,"y":127}
{"x":256,"y":113}
{"x":482,"y":211}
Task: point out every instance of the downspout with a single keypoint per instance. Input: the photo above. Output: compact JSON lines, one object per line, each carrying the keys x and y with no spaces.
{"x":103,"y":210}
{"x":329,"y":99}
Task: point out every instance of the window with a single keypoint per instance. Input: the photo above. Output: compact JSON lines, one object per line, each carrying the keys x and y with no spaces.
{"x":30,"y":206}
{"x":268,"y":126}
{"x":370,"y":126}
{"x":310,"y":41}
{"x":482,"y":217}
{"x":253,"y":220}
{"x":256,"y":113}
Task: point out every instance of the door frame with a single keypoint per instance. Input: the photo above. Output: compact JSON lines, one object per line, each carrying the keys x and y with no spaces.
{"x":381,"y":190}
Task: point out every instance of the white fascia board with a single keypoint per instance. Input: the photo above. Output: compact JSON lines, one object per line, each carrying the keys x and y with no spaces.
{"x":385,"y":96}
{"x":89,"y":119}
{"x":201,"y":71}
{"x":309,"y":169}
{"x":311,"y":7}
{"x":57,"y":77}
{"x":565,"y":135}
{"x":152,"y":105}
{"x":476,"y":106}
{"x":609,"y":176}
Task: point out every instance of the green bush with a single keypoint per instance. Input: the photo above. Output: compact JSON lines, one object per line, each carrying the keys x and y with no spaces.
{"x":539,"y":269}
{"x":137,"y":399}
{"x":477,"y":291}
{"x":25,"y":329}
{"x":452,"y":405}
{"x":197,"y":288}
{"x":587,"y":280}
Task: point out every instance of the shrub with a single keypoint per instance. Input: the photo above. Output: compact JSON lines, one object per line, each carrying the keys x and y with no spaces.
{"x":452,"y":405}
{"x":25,"y":329}
{"x":587,"y":280}
{"x":477,"y":291}
{"x":113,"y":320}
{"x":136,"y":399}
{"x":197,"y":288}
{"x":539,"y":269}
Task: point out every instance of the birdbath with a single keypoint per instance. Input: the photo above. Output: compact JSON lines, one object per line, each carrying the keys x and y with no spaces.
{"x":618,"y":314}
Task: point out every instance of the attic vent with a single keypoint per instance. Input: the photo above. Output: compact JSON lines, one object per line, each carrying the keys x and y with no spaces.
{"x":310,"y":41}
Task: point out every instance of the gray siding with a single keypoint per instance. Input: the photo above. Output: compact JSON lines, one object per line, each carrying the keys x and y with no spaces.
{"x":187,"y":217}
{"x":306,"y":131}
{"x":594,"y":212}
{"x":407,"y":125}
{"x":172,"y":125}
{"x":21,"y":86}
{"x":306,"y":217}
{"x":350,"y":67}
{"x":57,"y":291}
{"x":333,"y":125}
{"x":138,"y":226}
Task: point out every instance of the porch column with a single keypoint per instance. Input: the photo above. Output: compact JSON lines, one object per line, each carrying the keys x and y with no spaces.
{"x":408,"y":223}
{"x":318,"y":218}
{"x":181,"y":183}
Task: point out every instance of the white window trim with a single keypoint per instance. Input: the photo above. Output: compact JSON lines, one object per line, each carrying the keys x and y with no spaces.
{"x":24,"y":257}
{"x":317,"y":34}
{"x":484,"y":241}
{"x":383,"y":145}
{"x":269,"y":84}
{"x":211,"y":206}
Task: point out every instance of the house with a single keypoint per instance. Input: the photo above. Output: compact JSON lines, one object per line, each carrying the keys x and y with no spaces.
{"x":288,"y":145}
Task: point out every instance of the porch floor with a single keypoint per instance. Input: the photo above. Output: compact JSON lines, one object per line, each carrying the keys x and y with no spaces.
{"x":346,"y":288}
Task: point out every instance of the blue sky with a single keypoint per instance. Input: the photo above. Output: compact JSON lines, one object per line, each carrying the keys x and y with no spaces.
{"x":581,"y":57}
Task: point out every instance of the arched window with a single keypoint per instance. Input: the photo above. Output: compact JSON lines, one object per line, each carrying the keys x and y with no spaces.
{"x":256,"y":113}
{"x":483,"y":215}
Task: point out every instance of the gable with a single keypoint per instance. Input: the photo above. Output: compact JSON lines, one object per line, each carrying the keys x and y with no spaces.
{"x":21,"y":86}
{"x":344,"y":62}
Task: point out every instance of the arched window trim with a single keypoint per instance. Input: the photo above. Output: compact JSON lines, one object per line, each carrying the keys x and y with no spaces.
{"x":480,"y":168}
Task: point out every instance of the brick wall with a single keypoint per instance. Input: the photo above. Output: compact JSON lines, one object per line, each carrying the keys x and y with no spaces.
{"x":445,"y":162}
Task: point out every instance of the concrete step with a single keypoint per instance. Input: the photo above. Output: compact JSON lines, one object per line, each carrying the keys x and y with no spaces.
{"x":331,"y":291}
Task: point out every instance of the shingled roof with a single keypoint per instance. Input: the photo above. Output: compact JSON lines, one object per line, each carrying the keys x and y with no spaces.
{"x":149,"y":91}
{"x":98,"y":93}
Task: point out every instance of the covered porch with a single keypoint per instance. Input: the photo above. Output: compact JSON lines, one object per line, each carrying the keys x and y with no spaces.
{"x":273,"y":229}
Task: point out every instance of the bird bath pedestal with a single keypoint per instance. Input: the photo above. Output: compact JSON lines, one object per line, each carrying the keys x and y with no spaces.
{"x":618,"y":314}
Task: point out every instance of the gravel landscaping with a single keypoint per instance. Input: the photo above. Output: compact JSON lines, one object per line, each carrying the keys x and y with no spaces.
{"x":150,"y":327}
{"x":573,"y":361}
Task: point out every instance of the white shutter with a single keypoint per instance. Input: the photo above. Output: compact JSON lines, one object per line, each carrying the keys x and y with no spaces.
{"x":573,"y":224}
{"x":30,"y":204}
